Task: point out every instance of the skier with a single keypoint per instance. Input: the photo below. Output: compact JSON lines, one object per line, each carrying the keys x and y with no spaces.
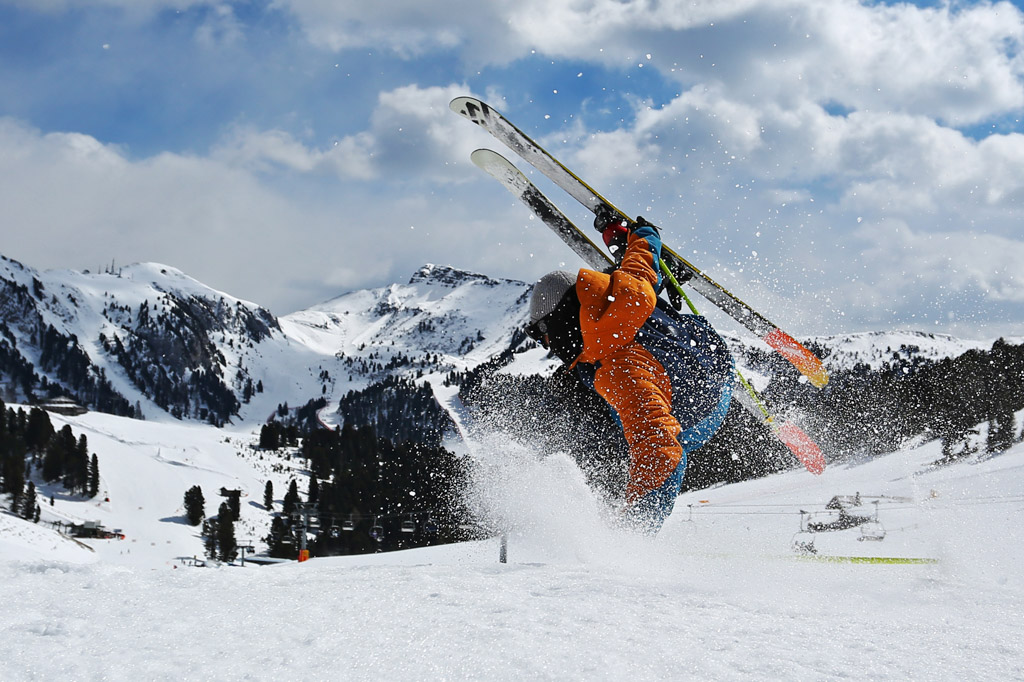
{"x":667,"y":377}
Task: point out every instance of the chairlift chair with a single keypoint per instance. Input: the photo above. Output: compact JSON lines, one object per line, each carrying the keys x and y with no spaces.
{"x":873,"y":531}
{"x":409,"y":526}
{"x":803,"y":543}
{"x":803,"y":540}
{"x":377,"y":531}
{"x":348,"y":524}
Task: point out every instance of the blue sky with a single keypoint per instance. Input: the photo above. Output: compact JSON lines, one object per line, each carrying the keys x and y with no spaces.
{"x":844,"y":166}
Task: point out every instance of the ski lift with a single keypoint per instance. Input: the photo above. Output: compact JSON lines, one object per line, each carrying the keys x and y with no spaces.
{"x":377,"y":531}
{"x":803,"y":540}
{"x":803,"y":543}
{"x":430,"y":527}
{"x":348,"y":524}
{"x":409,"y":526}
{"x":333,"y":530}
{"x":872,"y":530}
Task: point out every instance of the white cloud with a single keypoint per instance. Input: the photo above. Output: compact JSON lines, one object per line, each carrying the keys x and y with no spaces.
{"x":957,"y":64}
{"x":235,"y":221}
{"x":268,"y":151}
{"x":136,"y":8}
{"x":409,"y":28}
{"x":412,"y":135}
{"x":962,"y":261}
{"x":80,"y":202}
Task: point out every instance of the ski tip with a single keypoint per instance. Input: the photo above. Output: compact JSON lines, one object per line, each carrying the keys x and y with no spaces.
{"x":805,"y":449}
{"x":468,"y":107}
{"x":797,"y":354}
{"x":501,"y":169}
{"x":491,"y":161}
{"x":484,"y":154}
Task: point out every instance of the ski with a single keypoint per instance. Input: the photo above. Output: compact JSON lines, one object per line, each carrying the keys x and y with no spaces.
{"x":505,"y":172}
{"x":501,"y":128}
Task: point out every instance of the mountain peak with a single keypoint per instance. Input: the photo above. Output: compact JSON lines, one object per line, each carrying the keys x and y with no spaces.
{"x":449,"y":276}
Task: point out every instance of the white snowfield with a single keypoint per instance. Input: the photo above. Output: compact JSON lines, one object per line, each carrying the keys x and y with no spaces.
{"x":718,"y":595}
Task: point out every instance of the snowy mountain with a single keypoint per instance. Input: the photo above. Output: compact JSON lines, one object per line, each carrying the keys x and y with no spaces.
{"x":875,"y":348}
{"x":149,"y":339}
{"x":146,"y":339}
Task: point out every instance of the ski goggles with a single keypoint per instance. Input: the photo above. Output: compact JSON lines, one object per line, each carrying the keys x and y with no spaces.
{"x":538,"y":331}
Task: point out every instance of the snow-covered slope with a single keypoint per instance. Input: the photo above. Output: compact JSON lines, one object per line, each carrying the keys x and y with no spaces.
{"x":154,"y":316}
{"x":145,"y":469}
{"x":876,"y":348}
{"x":443,"y":319}
{"x":717,"y":595}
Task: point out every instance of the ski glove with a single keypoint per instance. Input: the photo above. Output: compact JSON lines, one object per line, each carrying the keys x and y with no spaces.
{"x":615,"y":231}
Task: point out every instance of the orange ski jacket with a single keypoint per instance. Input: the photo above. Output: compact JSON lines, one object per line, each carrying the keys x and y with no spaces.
{"x":651,"y":378}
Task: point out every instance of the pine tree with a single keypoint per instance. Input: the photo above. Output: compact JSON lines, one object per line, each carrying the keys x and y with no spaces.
{"x":227,"y":547}
{"x":291,"y":498}
{"x":270,"y":437}
{"x":54,"y":459}
{"x":234,"y":503}
{"x":268,"y":496}
{"x":78,"y":468}
{"x":995,"y":441}
{"x":94,"y":476}
{"x":12,"y":471}
{"x":28,"y":501}
{"x":313,"y":494}
{"x":39,"y":431}
{"x":209,"y":534}
{"x":275,"y":540}
{"x":194,"y":505}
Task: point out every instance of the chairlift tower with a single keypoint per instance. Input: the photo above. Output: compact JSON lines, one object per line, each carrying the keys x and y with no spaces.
{"x":246,"y":548}
{"x":303,"y":511}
